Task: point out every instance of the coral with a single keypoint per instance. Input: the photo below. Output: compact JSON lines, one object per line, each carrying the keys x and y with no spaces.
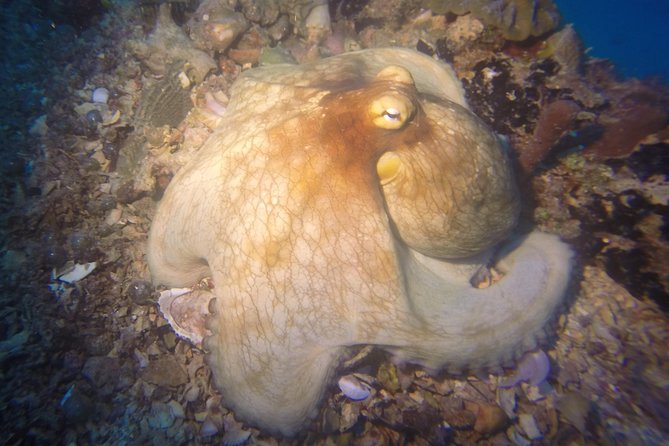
{"x":515,"y":19}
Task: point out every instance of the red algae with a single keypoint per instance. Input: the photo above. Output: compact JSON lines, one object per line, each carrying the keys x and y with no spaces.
{"x":555,"y":119}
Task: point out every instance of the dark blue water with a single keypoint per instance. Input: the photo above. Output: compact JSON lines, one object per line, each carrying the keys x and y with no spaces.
{"x":632,"y":33}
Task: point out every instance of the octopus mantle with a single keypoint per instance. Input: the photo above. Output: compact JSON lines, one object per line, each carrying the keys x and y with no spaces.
{"x":351,"y":201}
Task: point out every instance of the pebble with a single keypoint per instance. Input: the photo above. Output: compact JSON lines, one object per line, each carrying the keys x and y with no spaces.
{"x":141,"y":292}
{"x":93,"y":117}
{"x":114,"y":216}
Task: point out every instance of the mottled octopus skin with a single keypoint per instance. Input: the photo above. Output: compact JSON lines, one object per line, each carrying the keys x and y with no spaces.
{"x":325,"y":225}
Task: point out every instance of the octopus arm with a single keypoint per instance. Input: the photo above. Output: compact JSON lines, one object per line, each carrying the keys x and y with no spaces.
{"x":466,"y":328}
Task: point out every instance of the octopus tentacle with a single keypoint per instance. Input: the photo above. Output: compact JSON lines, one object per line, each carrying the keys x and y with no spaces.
{"x":463,"y":327}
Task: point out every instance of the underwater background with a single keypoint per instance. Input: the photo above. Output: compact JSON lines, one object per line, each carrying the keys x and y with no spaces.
{"x":95,"y":120}
{"x":632,"y":34}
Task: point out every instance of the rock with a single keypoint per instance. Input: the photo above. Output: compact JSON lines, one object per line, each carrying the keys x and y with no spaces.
{"x":141,"y":292}
{"x":214,"y":26}
{"x":165,"y":371}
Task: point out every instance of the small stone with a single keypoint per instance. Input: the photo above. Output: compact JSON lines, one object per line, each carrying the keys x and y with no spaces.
{"x":114,"y":216}
{"x":141,"y":292}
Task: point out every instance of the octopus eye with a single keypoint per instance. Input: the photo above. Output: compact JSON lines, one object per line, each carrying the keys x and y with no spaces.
{"x":391,"y":111}
{"x":392,"y":114}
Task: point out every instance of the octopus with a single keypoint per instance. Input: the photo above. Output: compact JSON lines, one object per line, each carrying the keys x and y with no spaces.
{"x":353,"y":201}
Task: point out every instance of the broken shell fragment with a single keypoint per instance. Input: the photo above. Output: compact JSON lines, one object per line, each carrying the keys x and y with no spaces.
{"x":186,"y":311}
{"x":354,"y":388}
{"x":72,"y":272}
{"x":533,"y":367}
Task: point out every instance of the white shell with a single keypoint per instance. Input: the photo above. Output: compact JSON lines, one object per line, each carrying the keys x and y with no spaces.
{"x":186,"y":317}
{"x":74,"y":272}
{"x":354,"y":388}
{"x":100,"y":95}
{"x":534,"y":367}
{"x":529,"y":425}
{"x":208,"y":428}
